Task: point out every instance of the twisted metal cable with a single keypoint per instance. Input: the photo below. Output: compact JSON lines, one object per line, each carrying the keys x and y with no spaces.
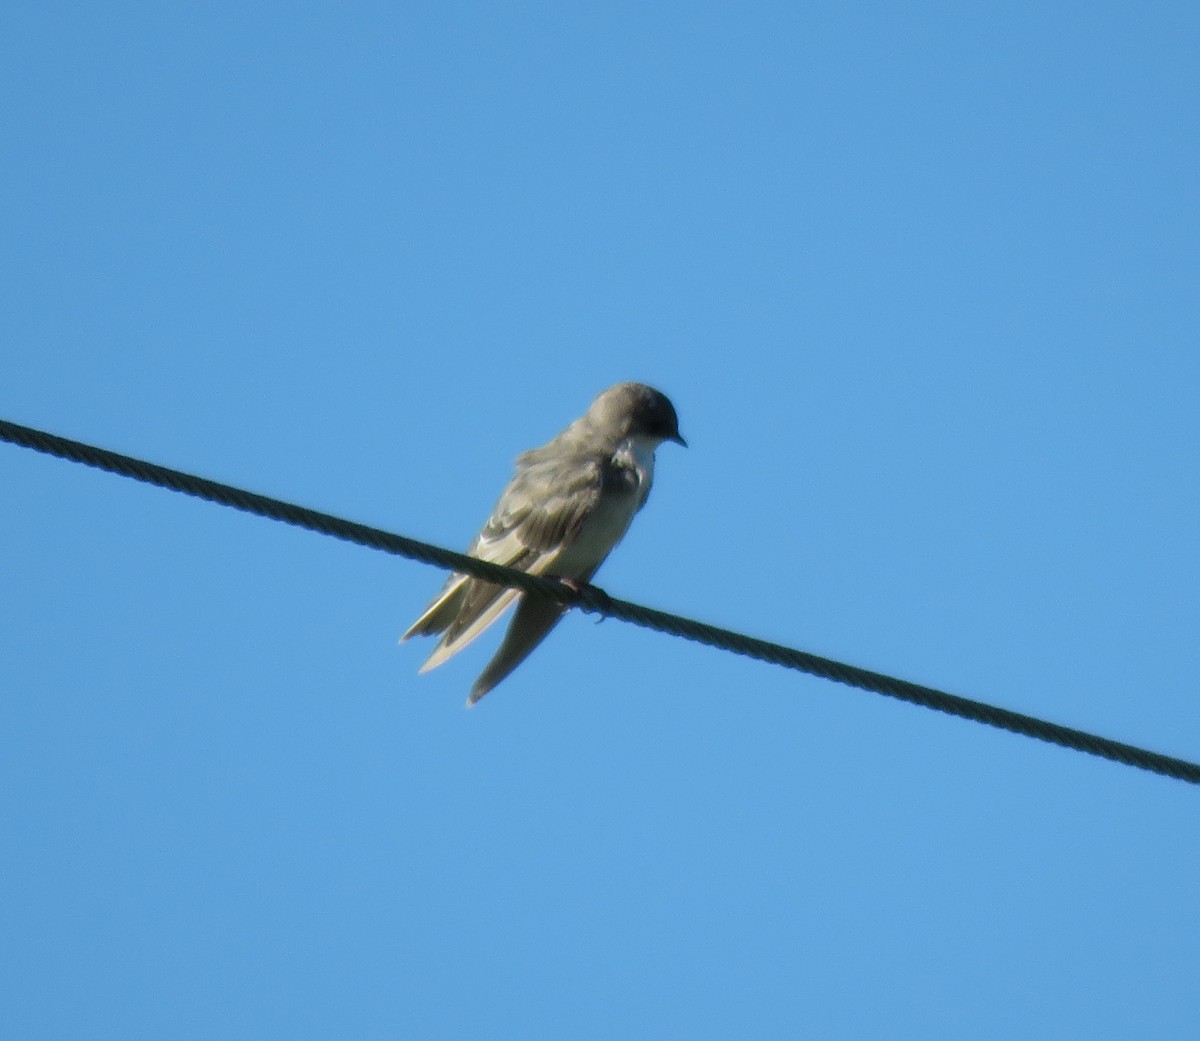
{"x":596,"y":602}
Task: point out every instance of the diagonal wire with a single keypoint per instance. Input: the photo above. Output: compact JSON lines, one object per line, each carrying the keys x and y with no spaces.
{"x":594,"y":601}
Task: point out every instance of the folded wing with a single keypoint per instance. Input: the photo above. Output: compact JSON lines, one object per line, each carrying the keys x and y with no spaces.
{"x":536,"y":520}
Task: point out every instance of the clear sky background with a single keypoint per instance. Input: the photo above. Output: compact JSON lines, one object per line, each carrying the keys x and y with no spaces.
{"x":924,"y":284}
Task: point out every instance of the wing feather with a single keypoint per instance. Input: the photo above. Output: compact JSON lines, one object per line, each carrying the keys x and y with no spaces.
{"x":535,"y":521}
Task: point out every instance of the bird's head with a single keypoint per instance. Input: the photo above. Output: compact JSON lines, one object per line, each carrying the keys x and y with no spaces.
{"x":636,"y":410}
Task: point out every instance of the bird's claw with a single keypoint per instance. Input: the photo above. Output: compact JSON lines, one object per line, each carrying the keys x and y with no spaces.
{"x":587,"y":596}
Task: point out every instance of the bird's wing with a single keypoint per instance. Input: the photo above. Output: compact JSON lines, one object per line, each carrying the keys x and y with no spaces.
{"x":537,"y":518}
{"x":535,"y":617}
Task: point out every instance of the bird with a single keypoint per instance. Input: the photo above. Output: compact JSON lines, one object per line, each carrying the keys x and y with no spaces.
{"x":567,"y":506}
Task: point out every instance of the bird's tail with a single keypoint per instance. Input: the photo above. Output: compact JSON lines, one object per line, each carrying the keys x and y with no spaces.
{"x":442,"y":611}
{"x":535,"y":617}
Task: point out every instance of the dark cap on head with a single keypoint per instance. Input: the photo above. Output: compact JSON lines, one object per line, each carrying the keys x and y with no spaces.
{"x":638,"y":409}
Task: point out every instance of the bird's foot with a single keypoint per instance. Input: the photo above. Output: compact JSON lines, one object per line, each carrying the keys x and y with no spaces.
{"x":588,"y":597}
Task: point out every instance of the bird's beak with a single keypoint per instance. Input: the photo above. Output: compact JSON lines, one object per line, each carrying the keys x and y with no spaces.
{"x":678,"y":439}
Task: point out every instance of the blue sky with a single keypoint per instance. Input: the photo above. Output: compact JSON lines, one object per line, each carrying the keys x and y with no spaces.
{"x":922,"y":283}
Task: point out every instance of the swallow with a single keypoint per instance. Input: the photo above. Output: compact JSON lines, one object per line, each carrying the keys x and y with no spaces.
{"x":568,"y":505}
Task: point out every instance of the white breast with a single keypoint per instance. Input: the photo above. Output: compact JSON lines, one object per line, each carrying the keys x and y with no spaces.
{"x":608,"y":522}
{"x":638,"y":451}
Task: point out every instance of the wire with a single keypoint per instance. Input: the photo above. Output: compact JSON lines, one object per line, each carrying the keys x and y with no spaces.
{"x":594,"y":601}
